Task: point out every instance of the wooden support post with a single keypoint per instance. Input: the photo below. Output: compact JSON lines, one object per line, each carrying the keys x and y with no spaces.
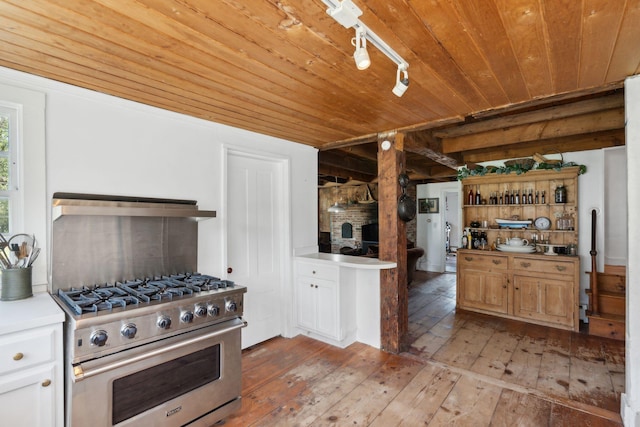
{"x":393,"y":247}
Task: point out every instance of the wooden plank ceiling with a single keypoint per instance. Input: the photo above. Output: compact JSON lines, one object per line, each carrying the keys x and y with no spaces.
{"x":489,"y":79}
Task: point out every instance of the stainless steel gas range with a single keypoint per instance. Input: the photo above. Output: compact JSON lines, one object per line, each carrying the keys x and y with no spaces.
{"x":148,"y":341}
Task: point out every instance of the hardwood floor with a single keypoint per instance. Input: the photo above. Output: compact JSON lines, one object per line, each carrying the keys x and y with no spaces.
{"x":462,"y":369}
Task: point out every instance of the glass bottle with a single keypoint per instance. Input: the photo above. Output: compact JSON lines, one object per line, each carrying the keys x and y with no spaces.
{"x":561,"y":194}
{"x":478,"y":196}
{"x":470,"y":198}
{"x":530,"y":197}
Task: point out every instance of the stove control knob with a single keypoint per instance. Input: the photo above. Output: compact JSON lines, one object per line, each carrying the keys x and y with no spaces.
{"x":214,"y":310}
{"x":186,"y":317}
{"x":164,"y":322}
{"x":201,"y":310}
{"x":231,"y":306}
{"x":129,"y":330}
{"x":98,"y":338}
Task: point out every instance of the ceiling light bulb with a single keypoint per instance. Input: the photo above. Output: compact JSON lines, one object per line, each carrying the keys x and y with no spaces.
{"x":360,"y":55}
{"x":402,"y":82}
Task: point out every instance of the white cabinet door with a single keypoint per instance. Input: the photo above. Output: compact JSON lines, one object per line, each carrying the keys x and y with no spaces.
{"x":27,"y":397}
{"x":318,"y":306}
{"x":306,"y":303}
{"x":327,"y":308}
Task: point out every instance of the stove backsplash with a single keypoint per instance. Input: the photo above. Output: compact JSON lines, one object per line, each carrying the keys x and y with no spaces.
{"x":104,"y":241}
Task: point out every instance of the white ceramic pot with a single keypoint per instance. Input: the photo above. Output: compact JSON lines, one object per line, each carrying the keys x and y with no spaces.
{"x":516,"y":241}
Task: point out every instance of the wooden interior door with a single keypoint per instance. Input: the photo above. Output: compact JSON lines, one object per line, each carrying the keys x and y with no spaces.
{"x":254,"y":241}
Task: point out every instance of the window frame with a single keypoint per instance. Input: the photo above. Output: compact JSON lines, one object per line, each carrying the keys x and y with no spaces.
{"x":14,"y":191}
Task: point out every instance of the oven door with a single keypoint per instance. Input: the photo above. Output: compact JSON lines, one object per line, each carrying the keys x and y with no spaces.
{"x":170,"y":382}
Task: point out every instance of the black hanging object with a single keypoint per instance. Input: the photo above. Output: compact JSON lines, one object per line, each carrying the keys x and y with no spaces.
{"x":406,"y":205}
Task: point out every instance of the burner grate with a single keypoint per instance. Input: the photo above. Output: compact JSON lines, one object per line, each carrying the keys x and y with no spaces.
{"x":91,"y":300}
{"x":138,"y":291}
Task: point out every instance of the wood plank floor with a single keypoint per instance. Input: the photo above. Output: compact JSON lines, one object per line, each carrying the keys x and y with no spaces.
{"x":462,"y":369}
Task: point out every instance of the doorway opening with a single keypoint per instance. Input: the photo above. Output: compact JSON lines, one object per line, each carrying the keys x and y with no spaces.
{"x":452,"y":229}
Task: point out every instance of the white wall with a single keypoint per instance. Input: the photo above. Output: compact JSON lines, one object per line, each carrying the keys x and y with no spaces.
{"x":630,"y":405}
{"x":105,"y":145}
{"x":615,"y":196}
{"x":430,"y":230}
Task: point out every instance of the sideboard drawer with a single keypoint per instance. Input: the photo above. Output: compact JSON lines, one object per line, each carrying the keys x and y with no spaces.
{"x":551,"y":266}
{"x":482,"y":262}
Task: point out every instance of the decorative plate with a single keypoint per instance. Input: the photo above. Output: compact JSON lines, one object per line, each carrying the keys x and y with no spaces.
{"x":542,"y":223}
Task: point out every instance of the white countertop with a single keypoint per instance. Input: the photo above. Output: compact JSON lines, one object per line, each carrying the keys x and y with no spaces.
{"x":351,"y":261}
{"x":33,"y":312}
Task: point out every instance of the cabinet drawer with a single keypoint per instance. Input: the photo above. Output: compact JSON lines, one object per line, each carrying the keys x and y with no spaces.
{"x":482,"y":262}
{"x":319,"y":271}
{"x":27,"y":348}
{"x":550,"y":266}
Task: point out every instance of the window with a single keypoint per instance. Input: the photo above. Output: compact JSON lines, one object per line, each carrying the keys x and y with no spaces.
{"x":8,"y":174}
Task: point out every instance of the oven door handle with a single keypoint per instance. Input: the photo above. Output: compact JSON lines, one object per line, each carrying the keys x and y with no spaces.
{"x":80,"y":374}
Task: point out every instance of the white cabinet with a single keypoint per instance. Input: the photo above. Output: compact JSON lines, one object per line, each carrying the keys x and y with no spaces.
{"x":31,"y":377}
{"x":323,"y":302}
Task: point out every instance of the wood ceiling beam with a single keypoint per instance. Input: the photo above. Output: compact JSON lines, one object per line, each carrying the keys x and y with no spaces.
{"x":569,"y":126}
{"x":612,"y":138}
{"x":345,"y":174}
{"x":346,"y":162}
{"x":566,"y":110}
{"x":424,"y":144}
{"x":545,"y":102}
{"x":362,"y":150}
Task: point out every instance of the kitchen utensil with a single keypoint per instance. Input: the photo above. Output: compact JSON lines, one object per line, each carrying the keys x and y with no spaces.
{"x":21,"y":246}
{"x":516,"y":249}
{"x":406,"y":208}
{"x":512,"y":223}
{"x":516,"y":241}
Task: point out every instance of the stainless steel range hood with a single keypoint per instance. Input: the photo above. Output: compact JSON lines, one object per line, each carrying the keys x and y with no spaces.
{"x":103,"y":239}
{"x":100,"y":205}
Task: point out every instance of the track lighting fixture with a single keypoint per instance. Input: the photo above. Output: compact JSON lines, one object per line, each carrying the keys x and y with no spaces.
{"x":347,"y":14}
{"x":402,"y":81}
{"x":361,"y":56}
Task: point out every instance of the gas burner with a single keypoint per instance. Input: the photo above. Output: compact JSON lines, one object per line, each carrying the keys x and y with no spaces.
{"x":139,"y":291}
{"x":202,"y":282}
{"x":90,"y":300}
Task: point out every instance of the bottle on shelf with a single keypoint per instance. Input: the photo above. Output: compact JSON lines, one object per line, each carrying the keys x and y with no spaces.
{"x":542,"y":201}
{"x":561,"y":194}
{"x":537,"y":197}
{"x":478,"y":196}
{"x":470,"y":198}
{"x":501,"y":200}
{"x":530,"y":197}
{"x":517,"y":199}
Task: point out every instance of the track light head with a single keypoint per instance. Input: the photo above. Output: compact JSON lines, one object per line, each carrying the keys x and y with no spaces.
{"x":360,"y":55}
{"x":402,"y":81}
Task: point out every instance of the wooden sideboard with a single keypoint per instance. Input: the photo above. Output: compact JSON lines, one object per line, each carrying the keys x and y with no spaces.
{"x":534,"y":288}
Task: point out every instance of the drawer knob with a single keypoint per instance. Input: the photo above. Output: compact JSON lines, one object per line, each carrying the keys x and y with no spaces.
{"x":18,"y":356}
{"x":46,"y":383}
{"x":313,"y":272}
{"x":468,"y":258}
{"x":311,"y":285}
{"x":496,"y":261}
{"x":561,"y":267}
{"x":525,"y":264}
